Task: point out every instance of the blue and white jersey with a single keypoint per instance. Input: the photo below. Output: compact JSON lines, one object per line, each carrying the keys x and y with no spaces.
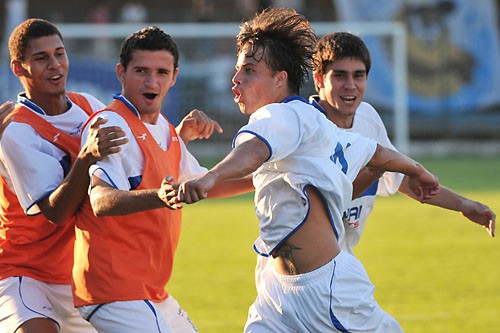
{"x":368,"y":123}
{"x":305,"y":149}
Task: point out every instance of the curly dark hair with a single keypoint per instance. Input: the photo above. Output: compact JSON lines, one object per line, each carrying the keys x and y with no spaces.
{"x":151,"y":39}
{"x":27,"y":31}
{"x":337,"y":46}
{"x":287,"y":41}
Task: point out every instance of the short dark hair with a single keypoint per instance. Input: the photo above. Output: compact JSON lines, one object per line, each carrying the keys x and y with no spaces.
{"x":150,"y":39}
{"x":337,"y":46}
{"x":287,"y":41}
{"x":27,"y":31}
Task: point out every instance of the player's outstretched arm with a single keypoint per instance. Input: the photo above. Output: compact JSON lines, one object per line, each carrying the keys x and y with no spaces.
{"x":420,"y":181}
{"x":239,"y":163}
{"x":197,"y":125}
{"x":228,"y":188}
{"x":446,"y":198}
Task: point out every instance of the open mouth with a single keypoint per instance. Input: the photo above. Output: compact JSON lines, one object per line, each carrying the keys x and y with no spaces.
{"x":150,"y":96}
{"x":237,"y":95}
{"x":56,"y":77}
{"x":348,"y":98}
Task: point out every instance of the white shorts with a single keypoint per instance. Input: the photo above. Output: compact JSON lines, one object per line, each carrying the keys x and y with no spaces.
{"x":138,"y":316}
{"x":337,"y":297}
{"x":24,"y":298}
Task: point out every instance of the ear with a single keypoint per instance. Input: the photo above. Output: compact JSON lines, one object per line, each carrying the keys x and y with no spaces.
{"x":120,"y":72}
{"x":281,"y":78}
{"x":318,"y":81}
{"x":17,"y":68}
{"x":174,"y":78}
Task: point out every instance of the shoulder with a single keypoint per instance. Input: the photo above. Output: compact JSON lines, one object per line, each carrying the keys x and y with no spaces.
{"x":113,"y":119}
{"x":95,"y":103}
{"x":366,"y":110}
{"x":366,"y":115}
{"x":16,"y":130}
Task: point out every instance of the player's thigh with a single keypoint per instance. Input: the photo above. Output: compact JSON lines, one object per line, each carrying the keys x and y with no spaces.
{"x":25,"y":307}
{"x":353,"y":302}
{"x":125,"y":317}
{"x":175,"y":316}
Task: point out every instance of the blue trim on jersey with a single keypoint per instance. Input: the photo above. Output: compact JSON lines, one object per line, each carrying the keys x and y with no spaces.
{"x":305,"y":218}
{"x":333,"y":318}
{"x":258,"y":252}
{"x":27,"y":307}
{"x":258,"y":136}
{"x":151,"y":306}
{"x":328,"y":210}
{"x":111,"y":180}
{"x":294,"y":98}
{"x":22,"y":99}
{"x":93,"y":312}
{"x":314,"y":102}
{"x":370,"y":191}
{"x":35,"y":203}
{"x":125,"y":101}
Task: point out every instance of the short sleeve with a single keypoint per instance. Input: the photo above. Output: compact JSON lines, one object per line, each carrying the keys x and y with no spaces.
{"x":112,"y":168}
{"x":32,"y":164}
{"x":278,"y":126}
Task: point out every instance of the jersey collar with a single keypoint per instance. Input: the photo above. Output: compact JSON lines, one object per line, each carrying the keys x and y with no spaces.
{"x":23,"y":100}
{"x":125,"y":101}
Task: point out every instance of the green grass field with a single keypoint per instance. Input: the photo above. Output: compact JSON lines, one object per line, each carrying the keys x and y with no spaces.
{"x":433,"y":270}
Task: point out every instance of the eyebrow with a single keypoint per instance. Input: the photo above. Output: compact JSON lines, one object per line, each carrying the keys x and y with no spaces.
{"x":344,"y":71}
{"x":45,"y":52}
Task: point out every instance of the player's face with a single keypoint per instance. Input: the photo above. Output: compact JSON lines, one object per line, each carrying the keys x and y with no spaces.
{"x":44,"y":69}
{"x":147,"y":80}
{"x":343,"y":87}
{"x":255,"y":84}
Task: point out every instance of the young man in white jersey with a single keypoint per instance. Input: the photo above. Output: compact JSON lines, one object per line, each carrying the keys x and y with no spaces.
{"x":340,"y":74}
{"x":297,"y":159}
{"x":44,"y":179}
{"x":126,"y":236}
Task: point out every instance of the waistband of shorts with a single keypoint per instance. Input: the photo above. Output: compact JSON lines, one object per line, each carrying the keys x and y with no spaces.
{"x":310,"y":277}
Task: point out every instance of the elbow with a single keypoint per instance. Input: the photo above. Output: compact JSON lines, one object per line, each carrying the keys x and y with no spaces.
{"x":99,"y":207}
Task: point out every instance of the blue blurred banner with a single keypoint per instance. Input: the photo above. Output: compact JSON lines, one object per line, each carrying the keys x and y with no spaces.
{"x":453,"y":53}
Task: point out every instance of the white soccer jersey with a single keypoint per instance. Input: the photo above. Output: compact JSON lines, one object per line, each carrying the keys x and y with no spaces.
{"x":306,"y":149}
{"x":32,"y":166}
{"x":118,"y":169}
{"x":368,"y":123}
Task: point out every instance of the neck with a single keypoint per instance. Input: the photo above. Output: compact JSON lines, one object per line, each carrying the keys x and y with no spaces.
{"x":51,"y":105}
{"x":150,"y":118}
{"x":339,"y":119}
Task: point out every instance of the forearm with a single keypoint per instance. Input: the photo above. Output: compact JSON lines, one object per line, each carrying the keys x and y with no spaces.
{"x":66,"y":199}
{"x":233,"y":187}
{"x":107,"y":201}
{"x":445,"y":198}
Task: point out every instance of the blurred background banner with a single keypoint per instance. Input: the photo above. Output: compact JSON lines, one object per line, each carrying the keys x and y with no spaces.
{"x":435,"y":76}
{"x":453,"y":53}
